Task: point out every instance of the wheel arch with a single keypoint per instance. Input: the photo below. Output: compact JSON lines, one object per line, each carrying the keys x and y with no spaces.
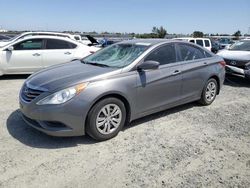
{"x":115,"y":95}
{"x":218,"y":82}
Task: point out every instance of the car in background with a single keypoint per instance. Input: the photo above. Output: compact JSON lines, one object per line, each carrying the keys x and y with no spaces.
{"x":91,"y":41}
{"x":22,"y":35}
{"x":4,"y":37}
{"x":215,"y":46}
{"x":204,"y":42}
{"x":237,"y":58}
{"x":33,"y":53}
{"x":225,"y":43}
{"x":123,"y":82}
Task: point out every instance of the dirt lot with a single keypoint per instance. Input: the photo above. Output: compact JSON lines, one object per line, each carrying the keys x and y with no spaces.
{"x":188,"y":146}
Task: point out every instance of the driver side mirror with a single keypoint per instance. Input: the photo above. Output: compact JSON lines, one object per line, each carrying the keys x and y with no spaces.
{"x":10,"y":48}
{"x":147,"y":65}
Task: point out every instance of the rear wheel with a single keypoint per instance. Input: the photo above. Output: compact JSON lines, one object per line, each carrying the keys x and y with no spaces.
{"x":209,"y":92}
{"x":106,"y":119}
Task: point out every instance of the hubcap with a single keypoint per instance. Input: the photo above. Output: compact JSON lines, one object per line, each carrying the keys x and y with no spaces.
{"x":210,"y":91}
{"x":108,"y":119}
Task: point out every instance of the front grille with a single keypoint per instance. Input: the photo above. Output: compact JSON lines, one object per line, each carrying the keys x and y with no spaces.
{"x":28,"y":94}
{"x":236,"y":63}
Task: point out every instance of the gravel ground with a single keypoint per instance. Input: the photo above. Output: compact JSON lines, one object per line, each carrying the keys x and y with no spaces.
{"x":188,"y":146}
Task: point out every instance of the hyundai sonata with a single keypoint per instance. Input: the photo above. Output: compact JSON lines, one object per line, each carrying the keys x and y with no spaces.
{"x":101,"y":93}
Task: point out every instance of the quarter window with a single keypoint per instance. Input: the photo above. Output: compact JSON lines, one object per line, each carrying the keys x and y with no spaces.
{"x":164,"y":55}
{"x":59,"y":44}
{"x":33,"y":44}
{"x":188,"y":52}
{"x":200,"y":42}
{"x":207,"y":43}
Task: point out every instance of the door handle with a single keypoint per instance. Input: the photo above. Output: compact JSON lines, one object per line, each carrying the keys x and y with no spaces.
{"x":176,"y":72}
{"x":67,"y":53}
{"x":205,"y":63}
{"x":36,"y":54}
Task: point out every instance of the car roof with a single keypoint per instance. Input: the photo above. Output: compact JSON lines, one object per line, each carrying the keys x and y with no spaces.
{"x":49,"y":37}
{"x":146,"y":42}
{"x":193,"y":38}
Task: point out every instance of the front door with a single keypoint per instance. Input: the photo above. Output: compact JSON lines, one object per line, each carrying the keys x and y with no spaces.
{"x":26,"y":57}
{"x":156,"y":89}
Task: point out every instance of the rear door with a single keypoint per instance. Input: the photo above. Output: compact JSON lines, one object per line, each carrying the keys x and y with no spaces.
{"x":58,"y":51}
{"x":160,"y":87}
{"x":26,"y":57}
{"x":194,"y":70}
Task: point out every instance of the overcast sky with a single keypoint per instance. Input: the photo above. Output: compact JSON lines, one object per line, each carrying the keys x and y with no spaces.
{"x":139,"y":16}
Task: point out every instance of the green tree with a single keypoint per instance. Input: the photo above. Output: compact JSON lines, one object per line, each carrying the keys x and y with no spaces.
{"x":237,"y":34}
{"x":159,"y":32}
{"x":198,"y":34}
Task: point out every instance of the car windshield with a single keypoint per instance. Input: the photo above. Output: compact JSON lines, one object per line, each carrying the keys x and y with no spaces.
{"x":117,"y":55}
{"x":241,"y":46}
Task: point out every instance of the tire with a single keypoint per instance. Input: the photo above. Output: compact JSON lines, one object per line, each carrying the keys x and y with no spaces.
{"x":106,"y":118}
{"x":209,"y":92}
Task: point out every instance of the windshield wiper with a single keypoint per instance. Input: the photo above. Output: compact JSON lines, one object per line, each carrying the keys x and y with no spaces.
{"x":97,"y":64}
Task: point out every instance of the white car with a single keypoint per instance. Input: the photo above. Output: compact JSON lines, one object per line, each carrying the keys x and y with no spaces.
{"x":237,"y":58}
{"x":204,"y":42}
{"x":22,"y":35}
{"x":33,"y":53}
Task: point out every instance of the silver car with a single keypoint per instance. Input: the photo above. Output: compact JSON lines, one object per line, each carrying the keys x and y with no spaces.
{"x":104,"y":91}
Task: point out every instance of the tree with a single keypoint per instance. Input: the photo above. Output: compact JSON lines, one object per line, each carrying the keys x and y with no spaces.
{"x":160,"y":32}
{"x":198,"y":34}
{"x":237,"y":34}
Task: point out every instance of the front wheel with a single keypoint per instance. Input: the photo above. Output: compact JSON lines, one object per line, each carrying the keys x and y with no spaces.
{"x":106,"y":119}
{"x":209,"y":92}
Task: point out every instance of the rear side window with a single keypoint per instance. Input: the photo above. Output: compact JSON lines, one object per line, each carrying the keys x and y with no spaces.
{"x":164,"y":55}
{"x":200,"y":42}
{"x":77,"y":38}
{"x":33,"y":44}
{"x":191,"y":41}
{"x":188,"y":52}
{"x":207,"y":43}
{"x":59,"y":44}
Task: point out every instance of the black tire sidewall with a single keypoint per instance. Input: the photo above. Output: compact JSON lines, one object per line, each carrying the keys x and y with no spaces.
{"x":91,"y":120}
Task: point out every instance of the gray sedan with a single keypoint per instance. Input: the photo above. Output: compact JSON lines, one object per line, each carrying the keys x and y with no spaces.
{"x":101,"y":93}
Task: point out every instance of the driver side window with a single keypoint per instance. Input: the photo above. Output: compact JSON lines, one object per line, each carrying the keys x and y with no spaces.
{"x":164,"y":55}
{"x":33,"y":44}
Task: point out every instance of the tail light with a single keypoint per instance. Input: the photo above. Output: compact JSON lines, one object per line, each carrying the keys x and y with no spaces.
{"x":222,"y":63}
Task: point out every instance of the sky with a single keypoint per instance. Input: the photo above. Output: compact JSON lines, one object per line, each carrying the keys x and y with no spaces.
{"x":138,"y":16}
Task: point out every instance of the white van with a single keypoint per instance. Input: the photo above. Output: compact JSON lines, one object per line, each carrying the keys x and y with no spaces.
{"x":204,"y":42}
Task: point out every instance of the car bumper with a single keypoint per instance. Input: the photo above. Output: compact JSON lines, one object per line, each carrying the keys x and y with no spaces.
{"x":67,"y":119}
{"x":237,"y":71}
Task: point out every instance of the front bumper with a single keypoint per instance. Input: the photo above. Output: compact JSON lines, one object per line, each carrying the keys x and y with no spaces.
{"x":237,"y":71}
{"x":66,"y":119}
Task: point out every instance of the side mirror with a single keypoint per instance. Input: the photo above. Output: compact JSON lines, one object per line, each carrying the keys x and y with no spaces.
{"x":147,"y":65}
{"x":10,"y":48}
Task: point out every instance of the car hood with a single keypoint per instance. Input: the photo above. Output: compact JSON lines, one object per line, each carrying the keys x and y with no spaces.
{"x":3,"y":43}
{"x":66,"y":75}
{"x":235,"y":55}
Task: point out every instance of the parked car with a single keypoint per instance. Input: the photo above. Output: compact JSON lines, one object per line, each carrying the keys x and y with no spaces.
{"x":215,"y":46}
{"x":91,"y":41}
{"x":204,"y":42}
{"x":225,"y":43}
{"x":125,"y":81}
{"x":4,"y":37}
{"x":237,"y":58}
{"x":22,"y":35}
{"x":31,"y":54}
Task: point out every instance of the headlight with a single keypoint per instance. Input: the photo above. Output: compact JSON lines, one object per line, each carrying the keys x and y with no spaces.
{"x":63,"y":95}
